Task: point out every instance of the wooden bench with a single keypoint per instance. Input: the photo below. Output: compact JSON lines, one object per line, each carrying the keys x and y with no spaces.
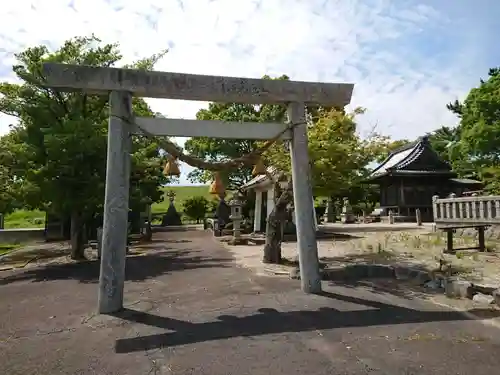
{"x":477,"y":212}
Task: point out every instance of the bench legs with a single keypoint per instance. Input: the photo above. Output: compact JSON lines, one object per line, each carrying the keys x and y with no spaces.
{"x":480,"y":238}
{"x":449,"y":241}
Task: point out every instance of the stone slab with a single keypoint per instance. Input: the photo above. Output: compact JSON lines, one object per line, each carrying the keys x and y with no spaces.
{"x":182,"y":86}
{"x":457,"y":288}
{"x":214,"y":129}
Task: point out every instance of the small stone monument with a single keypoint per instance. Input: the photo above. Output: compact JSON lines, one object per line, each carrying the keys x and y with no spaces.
{"x":236,"y":217}
{"x":171,"y":197}
{"x":391,"y":217}
{"x":329,"y":216}
{"x":347,"y":216}
{"x":418,"y":216}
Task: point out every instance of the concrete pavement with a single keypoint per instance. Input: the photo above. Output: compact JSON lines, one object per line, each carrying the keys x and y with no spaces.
{"x":191,"y":310}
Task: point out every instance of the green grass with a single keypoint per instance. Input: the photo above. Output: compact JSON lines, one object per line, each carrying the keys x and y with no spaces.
{"x":7,"y":248}
{"x":36,"y":219}
{"x":182,"y":193}
{"x":25,"y":219}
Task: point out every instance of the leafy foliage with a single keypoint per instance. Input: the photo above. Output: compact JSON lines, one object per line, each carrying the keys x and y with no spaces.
{"x":336,"y":151}
{"x":480,"y":124}
{"x":444,"y":141}
{"x":473,"y":147}
{"x":56,"y":155}
{"x":196,"y":207}
{"x":212,"y":149}
{"x":9,"y":185}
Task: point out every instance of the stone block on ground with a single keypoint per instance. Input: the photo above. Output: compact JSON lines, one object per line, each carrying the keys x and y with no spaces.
{"x":457,"y":288}
{"x":333,"y":273}
{"x":484,"y":288}
{"x":401,"y":273}
{"x":358,"y":272}
{"x":419,"y":276}
{"x":414,"y":275}
{"x":295,"y":273}
{"x":382,"y":271}
{"x":434,"y":284}
{"x":350,"y":272}
{"x":496,"y":296}
{"x":483,"y":299}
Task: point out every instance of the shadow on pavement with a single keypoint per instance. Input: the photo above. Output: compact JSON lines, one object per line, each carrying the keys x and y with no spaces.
{"x":271,"y":321}
{"x":398,"y":288}
{"x":138,"y":268}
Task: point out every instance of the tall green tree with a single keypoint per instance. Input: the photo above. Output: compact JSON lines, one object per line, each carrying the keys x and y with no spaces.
{"x":213,"y":150}
{"x":475,"y":149}
{"x":444,"y":141}
{"x":8,"y":182}
{"x":339,"y":156}
{"x":480,"y":121}
{"x":339,"y":163}
{"x":57,"y":151}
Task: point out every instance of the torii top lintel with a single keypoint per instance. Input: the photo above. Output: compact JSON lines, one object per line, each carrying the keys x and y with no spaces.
{"x":99,"y":80}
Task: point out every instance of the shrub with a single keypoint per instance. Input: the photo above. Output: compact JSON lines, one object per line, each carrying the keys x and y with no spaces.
{"x":196,"y":207}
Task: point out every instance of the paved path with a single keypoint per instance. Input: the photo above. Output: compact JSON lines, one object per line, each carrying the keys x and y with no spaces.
{"x":191,"y":310}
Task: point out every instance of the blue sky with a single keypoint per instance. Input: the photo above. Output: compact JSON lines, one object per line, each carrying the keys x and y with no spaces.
{"x":406,"y":58}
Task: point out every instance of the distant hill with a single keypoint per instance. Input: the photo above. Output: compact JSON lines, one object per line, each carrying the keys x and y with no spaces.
{"x":36,"y":219}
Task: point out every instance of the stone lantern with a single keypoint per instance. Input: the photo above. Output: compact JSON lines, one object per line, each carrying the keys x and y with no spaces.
{"x":171,"y":196}
{"x":236,"y":216}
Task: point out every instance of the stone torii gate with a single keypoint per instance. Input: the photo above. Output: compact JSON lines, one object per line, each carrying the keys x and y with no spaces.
{"x":122,"y":84}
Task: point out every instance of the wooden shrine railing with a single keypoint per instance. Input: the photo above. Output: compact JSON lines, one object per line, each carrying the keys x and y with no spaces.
{"x":466,"y":211}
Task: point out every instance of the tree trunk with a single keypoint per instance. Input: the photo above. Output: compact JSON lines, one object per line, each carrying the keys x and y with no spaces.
{"x":77,"y":236}
{"x":274,"y":226}
{"x":91,"y":225}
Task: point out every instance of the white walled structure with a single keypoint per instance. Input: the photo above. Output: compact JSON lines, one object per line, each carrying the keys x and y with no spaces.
{"x":264,"y":187}
{"x":264,"y":198}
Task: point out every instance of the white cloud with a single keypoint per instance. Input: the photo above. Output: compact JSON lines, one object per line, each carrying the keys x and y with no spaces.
{"x":402,"y":56}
